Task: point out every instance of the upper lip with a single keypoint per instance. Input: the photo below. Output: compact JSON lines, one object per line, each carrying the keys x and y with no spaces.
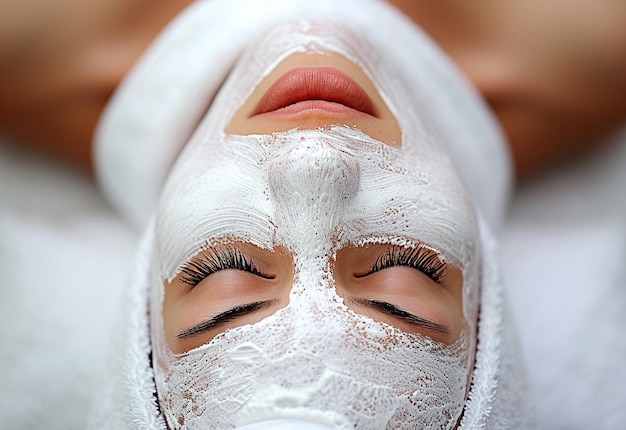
{"x":315,"y":83}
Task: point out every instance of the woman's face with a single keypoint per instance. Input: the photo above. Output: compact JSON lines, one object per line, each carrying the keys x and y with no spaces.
{"x":231,"y":284}
{"x":314,"y":245}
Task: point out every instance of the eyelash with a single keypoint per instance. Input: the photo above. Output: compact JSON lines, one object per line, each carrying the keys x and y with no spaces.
{"x":422,"y":259}
{"x":211,"y":261}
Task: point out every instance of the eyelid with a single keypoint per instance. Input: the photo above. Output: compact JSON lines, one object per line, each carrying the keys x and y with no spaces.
{"x":396,"y":311}
{"x":222,"y":318}
{"x":421,"y":258}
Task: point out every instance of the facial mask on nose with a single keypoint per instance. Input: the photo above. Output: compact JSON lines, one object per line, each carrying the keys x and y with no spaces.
{"x":313,"y":192}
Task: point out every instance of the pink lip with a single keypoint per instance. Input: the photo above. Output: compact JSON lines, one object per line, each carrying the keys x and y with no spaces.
{"x":315,"y":88}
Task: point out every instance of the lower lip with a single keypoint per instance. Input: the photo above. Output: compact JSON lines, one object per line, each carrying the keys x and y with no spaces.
{"x":315,"y":90}
{"x":314,"y":107}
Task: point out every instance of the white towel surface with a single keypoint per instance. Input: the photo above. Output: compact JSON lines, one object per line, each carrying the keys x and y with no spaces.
{"x":64,"y":255}
{"x":564,"y":254}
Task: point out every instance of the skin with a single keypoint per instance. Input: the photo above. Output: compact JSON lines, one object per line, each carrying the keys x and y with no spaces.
{"x":551,"y":71}
{"x":185,"y":305}
{"x":432,"y":307}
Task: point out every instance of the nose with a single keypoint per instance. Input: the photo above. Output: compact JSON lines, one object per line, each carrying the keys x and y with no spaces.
{"x":311,"y":185}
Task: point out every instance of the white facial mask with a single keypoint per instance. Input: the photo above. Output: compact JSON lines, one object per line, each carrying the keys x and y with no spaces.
{"x":314,"y":192}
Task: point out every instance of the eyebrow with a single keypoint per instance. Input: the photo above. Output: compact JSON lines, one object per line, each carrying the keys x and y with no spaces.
{"x":224,"y":317}
{"x":393,"y":310}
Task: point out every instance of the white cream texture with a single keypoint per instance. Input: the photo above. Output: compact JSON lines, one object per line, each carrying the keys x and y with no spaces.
{"x":314,"y":192}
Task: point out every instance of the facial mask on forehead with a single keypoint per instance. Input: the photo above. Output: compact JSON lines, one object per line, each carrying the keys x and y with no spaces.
{"x":313,"y":192}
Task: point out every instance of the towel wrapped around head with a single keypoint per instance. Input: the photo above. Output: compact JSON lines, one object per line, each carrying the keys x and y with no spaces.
{"x":159,"y":150}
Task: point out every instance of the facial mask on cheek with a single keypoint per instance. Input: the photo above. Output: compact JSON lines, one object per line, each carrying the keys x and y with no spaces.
{"x":312,"y":193}
{"x":315,"y":359}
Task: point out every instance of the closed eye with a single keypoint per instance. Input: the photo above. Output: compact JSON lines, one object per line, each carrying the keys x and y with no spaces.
{"x":225,"y":317}
{"x":397,"y":312}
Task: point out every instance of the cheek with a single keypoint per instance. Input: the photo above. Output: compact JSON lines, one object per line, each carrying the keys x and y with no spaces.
{"x":436,"y":305}
{"x":185,"y":306}
{"x":411,"y":291}
{"x":414,"y":291}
